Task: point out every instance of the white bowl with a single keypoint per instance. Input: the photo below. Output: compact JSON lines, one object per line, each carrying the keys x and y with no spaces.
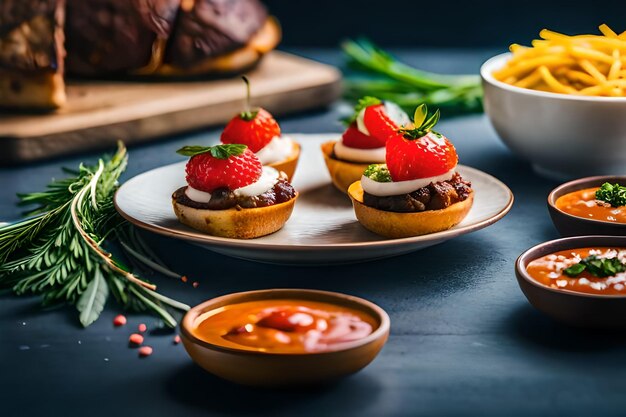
{"x":563,"y":136}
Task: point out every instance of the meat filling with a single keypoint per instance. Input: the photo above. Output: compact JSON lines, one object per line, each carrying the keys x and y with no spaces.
{"x":435,"y":196}
{"x":223,"y":198}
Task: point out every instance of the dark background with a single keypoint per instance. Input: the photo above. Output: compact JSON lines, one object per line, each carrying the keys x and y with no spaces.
{"x":424,"y":23}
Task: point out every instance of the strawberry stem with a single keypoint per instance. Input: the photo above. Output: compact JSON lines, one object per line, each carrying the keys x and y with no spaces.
{"x":248,"y":114}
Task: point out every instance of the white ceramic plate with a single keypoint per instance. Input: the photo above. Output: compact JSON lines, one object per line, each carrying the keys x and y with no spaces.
{"x":322,"y":228}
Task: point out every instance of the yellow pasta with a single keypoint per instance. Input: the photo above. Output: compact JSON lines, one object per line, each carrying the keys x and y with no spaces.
{"x":585,"y":64}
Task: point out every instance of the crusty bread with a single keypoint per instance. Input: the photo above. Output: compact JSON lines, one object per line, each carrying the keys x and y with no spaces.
{"x":288,"y":166}
{"x":43,"y":90}
{"x":236,"y":223}
{"x":398,"y":225}
{"x":343,"y":173}
{"x":233,"y":62}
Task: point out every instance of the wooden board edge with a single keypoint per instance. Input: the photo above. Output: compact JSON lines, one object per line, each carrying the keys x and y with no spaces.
{"x":27,"y":150}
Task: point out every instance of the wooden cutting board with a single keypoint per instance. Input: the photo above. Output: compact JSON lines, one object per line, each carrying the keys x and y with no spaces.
{"x":99,"y":113}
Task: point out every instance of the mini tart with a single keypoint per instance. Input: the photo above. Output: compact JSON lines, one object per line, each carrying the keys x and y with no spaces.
{"x":399,"y":225}
{"x":343,"y":173}
{"x":288,"y":165}
{"x":236,"y":222}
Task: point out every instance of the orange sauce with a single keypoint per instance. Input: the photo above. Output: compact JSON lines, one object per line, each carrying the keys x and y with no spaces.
{"x":548,"y":270}
{"x":582,"y":203}
{"x":283,"y":326}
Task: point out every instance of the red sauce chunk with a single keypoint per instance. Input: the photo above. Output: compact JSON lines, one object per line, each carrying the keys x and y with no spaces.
{"x":283,"y":326}
{"x":549,"y":270}
{"x":583,"y":203}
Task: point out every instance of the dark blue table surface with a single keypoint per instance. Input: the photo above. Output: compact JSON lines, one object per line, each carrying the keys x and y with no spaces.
{"x":464,"y":340}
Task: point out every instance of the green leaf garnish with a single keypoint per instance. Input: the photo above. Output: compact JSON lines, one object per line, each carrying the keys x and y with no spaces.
{"x":223,"y":151}
{"x":378,"y":173}
{"x":614,"y":194}
{"x":421,"y":123}
{"x":363,"y":103}
{"x":420,"y":115}
{"x":601,"y":268}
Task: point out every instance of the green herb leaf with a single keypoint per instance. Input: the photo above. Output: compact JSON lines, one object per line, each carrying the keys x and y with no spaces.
{"x":421,"y":124}
{"x":614,"y":194}
{"x":361,"y":104}
{"x":92,"y":301}
{"x":378,"y":173}
{"x":575,"y":269}
{"x":420,"y":114}
{"x":601,"y":268}
{"x":223,"y":151}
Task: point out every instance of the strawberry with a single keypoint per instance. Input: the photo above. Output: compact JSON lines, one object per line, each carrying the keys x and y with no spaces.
{"x":253,"y":128}
{"x":354,"y":138}
{"x":378,"y":122}
{"x":231,"y":166}
{"x":379,"y":119}
{"x":419,"y":152}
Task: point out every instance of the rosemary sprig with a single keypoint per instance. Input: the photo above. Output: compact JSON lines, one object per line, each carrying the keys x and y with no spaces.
{"x":380,"y":74}
{"x":59,"y":252}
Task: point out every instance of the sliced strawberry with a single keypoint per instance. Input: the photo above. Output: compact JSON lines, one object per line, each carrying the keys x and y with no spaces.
{"x":378,"y":123}
{"x":287,"y":319}
{"x":255,"y":129}
{"x":221,"y":166}
{"x":426,"y":156}
{"x":354,"y":138}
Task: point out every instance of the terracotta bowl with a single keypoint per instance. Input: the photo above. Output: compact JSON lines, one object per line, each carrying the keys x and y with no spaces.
{"x":279,"y":369}
{"x":573,"y":308}
{"x":569,"y":225}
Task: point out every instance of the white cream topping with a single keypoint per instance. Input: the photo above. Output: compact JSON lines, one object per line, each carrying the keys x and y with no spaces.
{"x":375,"y":155}
{"x":197,"y":195}
{"x":268,"y":179}
{"x":279,"y":149}
{"x":385,"y":189}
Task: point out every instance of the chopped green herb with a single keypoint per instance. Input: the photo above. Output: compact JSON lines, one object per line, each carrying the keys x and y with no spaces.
{"x":614,"y":194}
{"x":597,"y":267}
{"x":223,"y":151}
{"x":378,"y":173}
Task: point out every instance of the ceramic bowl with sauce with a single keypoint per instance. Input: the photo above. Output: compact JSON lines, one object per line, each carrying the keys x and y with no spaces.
{"x":572,"y":217}
{"x":581,"y":301}
{"x":284,"y":337}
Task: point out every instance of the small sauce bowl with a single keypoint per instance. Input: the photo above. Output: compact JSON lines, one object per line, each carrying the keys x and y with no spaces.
{"x":268,"y":369}
{"x":570,"y":225}
{"x":571,"y":307}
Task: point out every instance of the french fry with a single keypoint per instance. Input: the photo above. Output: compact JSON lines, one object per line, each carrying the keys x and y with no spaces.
{"x":580,"y":64}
